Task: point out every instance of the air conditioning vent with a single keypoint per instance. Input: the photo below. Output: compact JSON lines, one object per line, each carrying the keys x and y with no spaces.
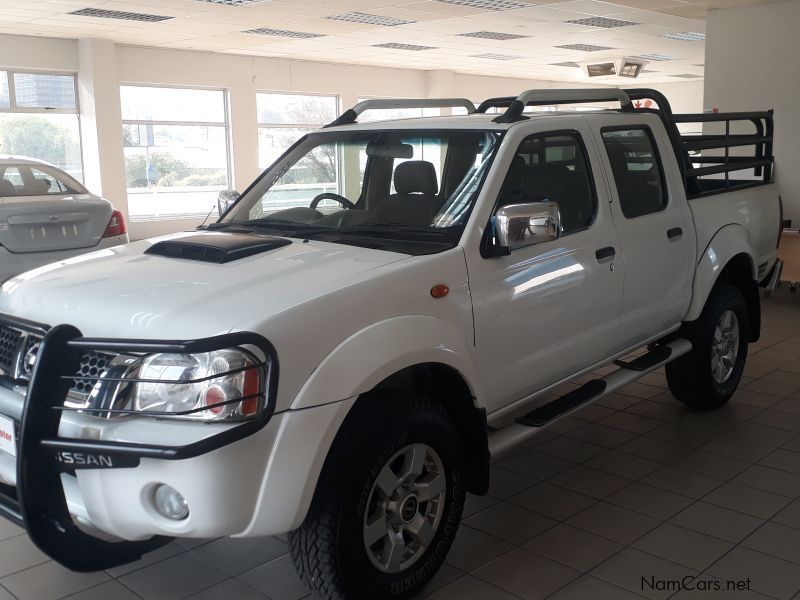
{"x":367,"y":19}
{"x":601,"y":69}
{"x":493,"y":35}
{"x":118,"y":14}
{"x":687,"y":36}
{"x":656,"y":57}
{"x":570,"y":64}
{"x":411,"y":47}
{"x":282,"y":32}
{"x":493,"y":56}
{"x":584,"y":47}
{"x":488,"y":4}
{"x":686,"y":75}
{"x":603,"y":22}
{"x":630,"y":68}
{"x":231,"y":2}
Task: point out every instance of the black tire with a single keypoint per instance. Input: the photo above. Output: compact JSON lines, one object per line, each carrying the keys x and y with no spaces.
{"x":690,"y":377}
{"x":329,"y":551}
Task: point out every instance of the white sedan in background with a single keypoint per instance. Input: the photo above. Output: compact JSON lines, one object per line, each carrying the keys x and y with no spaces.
{"x":46,"y":216}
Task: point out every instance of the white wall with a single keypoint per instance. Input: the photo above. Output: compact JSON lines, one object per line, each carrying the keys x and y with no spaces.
{"x":242,"y":76}
{"x":752,"y":58}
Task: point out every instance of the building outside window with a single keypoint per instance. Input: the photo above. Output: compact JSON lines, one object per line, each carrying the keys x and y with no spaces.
{"x":175,"y":142}
{"x":285,"y":118}
{"x":282,"y":120}
{"x":429,"y":149}
{"x":39,"y":118}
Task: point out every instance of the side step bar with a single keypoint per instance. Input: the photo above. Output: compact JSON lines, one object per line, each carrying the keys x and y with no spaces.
{"x":502,"y":441}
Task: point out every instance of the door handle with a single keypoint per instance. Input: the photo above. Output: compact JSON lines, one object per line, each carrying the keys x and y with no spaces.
{"x":674,"y":233}
{"x":606,"y":253}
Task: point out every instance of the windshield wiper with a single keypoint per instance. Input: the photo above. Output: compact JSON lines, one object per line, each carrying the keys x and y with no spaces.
{"x":267,"y":223}
{"x":390,"y":227}
{"x":284,"y":223}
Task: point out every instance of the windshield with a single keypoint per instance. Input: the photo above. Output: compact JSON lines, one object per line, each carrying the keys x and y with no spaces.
{"x":405,"y":191}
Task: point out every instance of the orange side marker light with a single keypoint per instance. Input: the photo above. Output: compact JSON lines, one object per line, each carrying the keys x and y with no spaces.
{"x":440,"y":291}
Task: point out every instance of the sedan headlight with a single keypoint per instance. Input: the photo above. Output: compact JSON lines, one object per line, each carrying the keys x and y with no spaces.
{"x":223,"y":385}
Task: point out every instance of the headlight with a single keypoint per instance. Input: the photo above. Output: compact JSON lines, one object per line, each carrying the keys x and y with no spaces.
{"x":223,"y":385}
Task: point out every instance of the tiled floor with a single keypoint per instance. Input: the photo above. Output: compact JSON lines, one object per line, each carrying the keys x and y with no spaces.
{"x":616,"y":502}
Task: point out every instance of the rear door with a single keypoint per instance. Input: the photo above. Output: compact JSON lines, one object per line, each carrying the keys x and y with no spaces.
{"x":654,"y":223}
{"x":41,"y":210}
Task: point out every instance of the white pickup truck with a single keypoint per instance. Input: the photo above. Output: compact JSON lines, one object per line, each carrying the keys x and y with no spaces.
{"x":344,"y":369}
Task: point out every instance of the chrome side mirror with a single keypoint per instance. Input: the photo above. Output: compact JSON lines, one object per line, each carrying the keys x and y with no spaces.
{"x":226,"y":199}
{"x":520,"y":225}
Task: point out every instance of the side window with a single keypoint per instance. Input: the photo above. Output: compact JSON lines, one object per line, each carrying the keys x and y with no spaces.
{"x":637,"y":171}
{"x":552,"y":167}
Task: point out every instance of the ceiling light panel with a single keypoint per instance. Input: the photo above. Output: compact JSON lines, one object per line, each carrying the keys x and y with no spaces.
{"x":493,"y":56}
{"x":412,"y":47}
{"x":568,"y":63}
{"x":603,"y":22}
{"x":284,"y":33}
{"x":118,"y":14}
{"x":656,"y":57}
{"x":493,"y":35}
{"x":688,"y":36}
{"x":584,"y":47}
{"x":488,"y":4}
{"x":367,"y":19}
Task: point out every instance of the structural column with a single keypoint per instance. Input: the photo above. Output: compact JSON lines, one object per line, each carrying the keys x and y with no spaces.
{"x":101,"y":122}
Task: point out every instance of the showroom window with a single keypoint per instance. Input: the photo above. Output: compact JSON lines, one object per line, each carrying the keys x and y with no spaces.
{"x":176,"y":150}
{"x":285,"y":118}
{"x":39,"y":118}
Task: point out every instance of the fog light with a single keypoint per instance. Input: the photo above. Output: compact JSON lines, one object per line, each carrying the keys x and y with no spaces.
{"x":170,"y":503}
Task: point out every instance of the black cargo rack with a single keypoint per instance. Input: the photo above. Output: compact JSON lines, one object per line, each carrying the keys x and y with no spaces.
{"x":720,"y":162}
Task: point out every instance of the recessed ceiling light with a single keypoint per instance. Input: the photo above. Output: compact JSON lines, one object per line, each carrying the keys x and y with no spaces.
{"x":488,"y":4}
{"x":584,"y":47}
{"x":493,"y":56}
{"x":656,"y":57}
{"x":118,"y":14}
{"x":602,"y":22}
{"x":493,"y":35}
{"x":395,"y":46}
{"x":568,"y":63}
{"x":686,"y":75}
{"x":283,"y":33}
{"x":688,"y":36}
{"x":359,"y":17}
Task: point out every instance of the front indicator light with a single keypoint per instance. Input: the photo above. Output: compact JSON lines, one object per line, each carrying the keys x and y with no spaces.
{"x":170,"y":503}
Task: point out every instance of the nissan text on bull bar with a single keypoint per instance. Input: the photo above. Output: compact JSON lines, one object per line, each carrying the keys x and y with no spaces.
{"x":384,"y":311}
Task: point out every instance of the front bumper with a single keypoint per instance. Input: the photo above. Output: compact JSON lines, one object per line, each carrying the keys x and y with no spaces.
{"x":85,"y":497}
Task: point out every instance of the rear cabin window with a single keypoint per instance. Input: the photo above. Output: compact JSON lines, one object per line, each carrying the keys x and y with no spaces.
{"x":552,"y":167}
{"x":637,"y":171}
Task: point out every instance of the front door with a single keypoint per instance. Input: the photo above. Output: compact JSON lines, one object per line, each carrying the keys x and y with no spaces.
{"x":548,"y":310}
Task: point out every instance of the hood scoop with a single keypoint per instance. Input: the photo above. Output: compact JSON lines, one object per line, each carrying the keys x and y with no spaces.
{"x":217,"y":248}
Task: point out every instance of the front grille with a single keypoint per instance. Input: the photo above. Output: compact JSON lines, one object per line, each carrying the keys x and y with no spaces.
{"x":15,"y":343}
{"x":93,"y":365}
{"x":9,"y":347}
